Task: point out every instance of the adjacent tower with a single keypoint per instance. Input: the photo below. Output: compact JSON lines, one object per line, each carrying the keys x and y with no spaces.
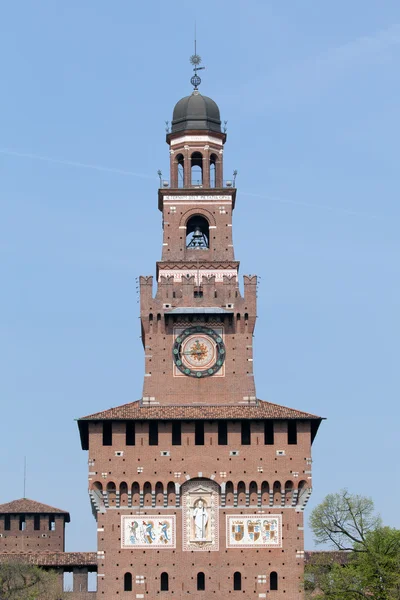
{"x":199,"y":487}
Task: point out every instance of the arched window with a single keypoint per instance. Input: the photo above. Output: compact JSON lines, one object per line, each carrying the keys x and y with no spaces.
{"x":135,"y":494}
{"x":201,"y":581}
{"x":164,"y":583}
{"x":229,"y":495}
{"x":237,"y":581}
{"x":241,"y":493}
{"x":147,"y":496}
{"x":171,"y":493}
{"x":213,"y":171}
{"x":123,"y":494}
{"x":197,"y":233}
{"x":196,"y":165}
{"x":253,"y":493}
{"x":180,"y":170}
{"x":265,"y":493}
{"x":302,"y":487}
{"x":127,"y":582}
{"x":112,"y":493}
{"x":159,"y":493}
{"x":277,"y":493}
{"x":288,"y":492}
{"x":273,"y":581}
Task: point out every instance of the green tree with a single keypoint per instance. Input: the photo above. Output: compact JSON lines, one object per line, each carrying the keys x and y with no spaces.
{"x":369,"y":563}
{"x":22,"y":581}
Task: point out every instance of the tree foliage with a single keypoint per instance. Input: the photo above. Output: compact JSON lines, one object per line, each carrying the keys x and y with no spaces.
{"x":22,"y":581}
{"x":371,"y":565}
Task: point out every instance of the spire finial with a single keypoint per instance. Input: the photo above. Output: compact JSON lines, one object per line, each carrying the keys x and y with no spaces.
{"x":195,"y":60}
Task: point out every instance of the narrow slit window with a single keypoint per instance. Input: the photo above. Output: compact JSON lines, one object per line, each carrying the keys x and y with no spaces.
{"x":237,"y":581}
{"x":176,"y":433}
{"x":201,"y":581}
{"x":22,"y":523}
{"x":292,"y":432}
{"x":222,"y":433}
{"x":36,"y":522}
{"x":107,"y":433}
{"x":52,"y":523}
{"x":199,"y":433}
{"x":273,"y":581}
{"x":246,"y":433}
{"x":7,"y":522}
{"x":164,"y":583}
{"x":130,"y":433}
{"x":153,"y":433}
{"x":127,"y":582}
{"x":269,"y":433}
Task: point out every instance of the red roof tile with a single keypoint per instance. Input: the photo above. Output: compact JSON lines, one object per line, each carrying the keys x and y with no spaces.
{"x":327,"y":557}
{"x":53,"y":559}
{"x":24,"y":505}
{"x":263,"y":410}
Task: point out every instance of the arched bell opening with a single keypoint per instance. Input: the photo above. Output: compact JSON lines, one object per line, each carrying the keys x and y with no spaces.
{"x":180,"y":170}
{"x":214,"y":172}
{"x":196,"y":169}
{"x":197,"y":233}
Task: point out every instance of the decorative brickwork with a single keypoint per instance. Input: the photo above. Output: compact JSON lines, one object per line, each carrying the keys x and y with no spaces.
{"x":199,"y":488}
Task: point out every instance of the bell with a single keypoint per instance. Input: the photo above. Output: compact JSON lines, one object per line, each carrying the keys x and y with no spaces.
{"x":197,"y":233}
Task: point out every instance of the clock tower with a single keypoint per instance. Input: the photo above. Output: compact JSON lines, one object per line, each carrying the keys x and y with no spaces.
{"x":199,"y":487}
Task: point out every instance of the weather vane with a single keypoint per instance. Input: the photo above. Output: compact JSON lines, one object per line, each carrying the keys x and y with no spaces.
{"x":195,"y":60}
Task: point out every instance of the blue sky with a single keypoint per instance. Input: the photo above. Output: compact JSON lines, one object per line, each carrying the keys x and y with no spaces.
{"x":311,"y":94}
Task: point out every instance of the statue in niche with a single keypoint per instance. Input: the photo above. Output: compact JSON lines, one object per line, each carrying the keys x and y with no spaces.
{"x":200,"y":516}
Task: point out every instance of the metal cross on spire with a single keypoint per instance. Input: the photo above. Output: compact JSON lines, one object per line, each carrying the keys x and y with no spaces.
{"x":195,"y":60}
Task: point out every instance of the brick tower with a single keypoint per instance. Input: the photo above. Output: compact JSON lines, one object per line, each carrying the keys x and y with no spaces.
{"x":30,"y":526}
{"x":199,"y":487}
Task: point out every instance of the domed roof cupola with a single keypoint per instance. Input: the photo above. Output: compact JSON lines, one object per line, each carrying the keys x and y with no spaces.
{"x":196,"y":112}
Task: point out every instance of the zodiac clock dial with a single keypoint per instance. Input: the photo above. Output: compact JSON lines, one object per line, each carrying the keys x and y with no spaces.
{"x":199,"y":351}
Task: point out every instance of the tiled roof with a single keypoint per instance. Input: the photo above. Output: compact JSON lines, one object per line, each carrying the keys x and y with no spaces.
{"x":327,"y":557}
{"x":263,"y":410}
{"x":53,"y":559}
{"x":24,"y":505}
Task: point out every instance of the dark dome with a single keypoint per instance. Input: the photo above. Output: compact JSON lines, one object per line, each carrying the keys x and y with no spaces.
{"x":196,"y":112}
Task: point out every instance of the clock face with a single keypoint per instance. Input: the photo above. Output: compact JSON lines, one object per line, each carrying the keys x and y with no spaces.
{"x":199,"y":351}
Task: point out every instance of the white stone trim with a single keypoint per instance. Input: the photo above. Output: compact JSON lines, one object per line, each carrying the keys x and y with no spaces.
{"x":196,"y":138}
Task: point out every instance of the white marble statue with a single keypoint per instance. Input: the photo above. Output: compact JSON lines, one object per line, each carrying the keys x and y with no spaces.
{"x":200,"y":516}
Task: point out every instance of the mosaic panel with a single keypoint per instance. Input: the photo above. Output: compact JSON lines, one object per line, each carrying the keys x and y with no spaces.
{"x":248,"y":531}
{"x":148,"y":532}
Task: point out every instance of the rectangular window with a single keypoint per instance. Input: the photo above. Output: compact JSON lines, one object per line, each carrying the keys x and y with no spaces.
{"x":7,"y":523}
{"x":22,"y":523}
{"x":176,"y":433}
{"x":130,"y":433}
{"x":52,"y":523}
{"x":36,"y":522}
{"x":246,"y":433}
{"x":222,"y":433}
{"x":292,"y":432}
{"x":199,"y":433}
{"x":269,"y":433}
{"x":153,"y":433}
{"x":107,"y":433}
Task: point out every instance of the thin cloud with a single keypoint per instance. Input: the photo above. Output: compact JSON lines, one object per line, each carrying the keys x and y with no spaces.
{"x":72,"y":163}
{"x":326,"y":207}
{"x":291,"y":84}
